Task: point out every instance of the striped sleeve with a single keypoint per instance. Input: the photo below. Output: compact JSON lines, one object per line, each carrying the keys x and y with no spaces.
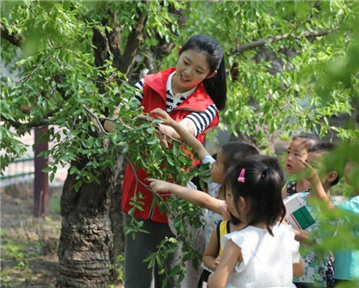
{"x":139,"y":92}
{"x":201,"y":120}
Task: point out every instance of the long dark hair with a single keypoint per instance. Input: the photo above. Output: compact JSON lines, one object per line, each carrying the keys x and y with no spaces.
{"x":235,"y":151}
{"x":262,"y":188}
{"x":216,"y":86}
{"x":272,"y":163}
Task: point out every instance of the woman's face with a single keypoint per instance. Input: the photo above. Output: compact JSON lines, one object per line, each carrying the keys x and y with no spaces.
{"x":295,"y":149}
{"x":191,"y":69}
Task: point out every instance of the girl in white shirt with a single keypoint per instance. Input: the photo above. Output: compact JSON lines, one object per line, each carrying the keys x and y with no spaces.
{"x":264,"y":254}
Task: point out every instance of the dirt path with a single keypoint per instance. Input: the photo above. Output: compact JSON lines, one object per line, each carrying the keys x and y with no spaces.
{"x":28,"y":245}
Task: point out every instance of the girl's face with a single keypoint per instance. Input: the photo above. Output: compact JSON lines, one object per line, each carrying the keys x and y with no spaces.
{"x":238,"y":210}
{"x":191,"y":69}
{"x":295,"y":149}
{"x":231,"y":206}
{"x":217,"y":168}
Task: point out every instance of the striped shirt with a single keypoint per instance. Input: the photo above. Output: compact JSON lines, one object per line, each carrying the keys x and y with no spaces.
{"x":200,"y":120}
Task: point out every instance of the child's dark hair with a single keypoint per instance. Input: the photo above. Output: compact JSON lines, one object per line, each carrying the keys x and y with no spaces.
{"x":262,"y":188}
{"x":309,"y":139}
{"x":326,"y":148}
{"x":216,"y":86}
{"x":234,"y":152}
{"x":270,"y":162}
{"x":323,"y":147}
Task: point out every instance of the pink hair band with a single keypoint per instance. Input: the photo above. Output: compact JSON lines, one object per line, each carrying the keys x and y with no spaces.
{"x":241,"y":176}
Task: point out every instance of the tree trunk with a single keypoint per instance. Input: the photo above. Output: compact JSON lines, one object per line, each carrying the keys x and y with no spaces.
{"x":116,"y":215}
{"x":86,"y":236}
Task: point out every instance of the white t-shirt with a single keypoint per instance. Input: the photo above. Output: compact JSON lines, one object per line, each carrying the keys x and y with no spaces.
{"x":267,"y":260}
{"x":211,"y":219}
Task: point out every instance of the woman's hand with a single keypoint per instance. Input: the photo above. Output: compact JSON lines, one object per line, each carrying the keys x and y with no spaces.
{"x":160,"y":114}
{"x":159,"y":185}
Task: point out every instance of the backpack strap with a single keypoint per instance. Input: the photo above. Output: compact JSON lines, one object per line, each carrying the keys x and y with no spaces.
{"x":228,"y":226}
{"x":219,"y":236}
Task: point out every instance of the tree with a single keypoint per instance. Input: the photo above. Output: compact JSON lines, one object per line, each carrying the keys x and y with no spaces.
{"x":71,"y":60}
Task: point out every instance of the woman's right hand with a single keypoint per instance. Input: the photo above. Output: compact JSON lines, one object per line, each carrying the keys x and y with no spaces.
{"x":160,"y":114}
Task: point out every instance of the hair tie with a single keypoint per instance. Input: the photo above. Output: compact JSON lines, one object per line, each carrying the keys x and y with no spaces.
{"x":241,"y":176}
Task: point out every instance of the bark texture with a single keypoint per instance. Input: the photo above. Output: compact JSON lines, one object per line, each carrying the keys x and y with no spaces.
{"x":116,"y":215}
{"x":86,"y":236}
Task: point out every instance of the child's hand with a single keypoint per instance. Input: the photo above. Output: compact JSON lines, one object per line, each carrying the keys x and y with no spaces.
{"x":159,"y":185}
{"x":160,"y":114}
{"x":309,"y":173}
{"x":216,"y":262}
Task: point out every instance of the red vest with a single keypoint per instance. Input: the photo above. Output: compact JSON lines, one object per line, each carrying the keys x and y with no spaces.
{"x":154,"y":90}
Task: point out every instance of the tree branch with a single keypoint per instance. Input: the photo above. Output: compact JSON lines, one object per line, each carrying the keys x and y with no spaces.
{"x":13,"y":38}
{"x":260,"y":43}
{"x":100,"y":129}
{"x":26,"y":126}
{"x":132,"y":45}
{"x":23,"y":127}
{"x":28,"y":76}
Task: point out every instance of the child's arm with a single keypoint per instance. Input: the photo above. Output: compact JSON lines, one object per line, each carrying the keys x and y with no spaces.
{"x":301,"y":235}
{"x":298,"y":268}
{"x":210,"y":256}
{"x":232,"y":254}
{"x":317,"y":190}
{"x":195,"y":197}
{"x":182,"y":128}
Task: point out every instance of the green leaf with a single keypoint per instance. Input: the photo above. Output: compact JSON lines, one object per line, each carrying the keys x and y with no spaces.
{"x":46,"y":169}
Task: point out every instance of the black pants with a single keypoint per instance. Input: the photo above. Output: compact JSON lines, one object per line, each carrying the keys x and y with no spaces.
{"x":137,"y":275}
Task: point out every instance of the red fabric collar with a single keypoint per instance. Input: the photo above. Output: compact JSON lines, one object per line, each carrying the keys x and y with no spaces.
{"x":198,"y":101}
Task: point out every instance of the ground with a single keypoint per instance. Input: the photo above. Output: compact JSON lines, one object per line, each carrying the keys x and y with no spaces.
{"x":28,"y":244}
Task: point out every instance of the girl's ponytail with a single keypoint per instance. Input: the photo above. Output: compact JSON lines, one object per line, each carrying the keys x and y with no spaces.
{"x":271,"y":201}
{"x":216,"y":87}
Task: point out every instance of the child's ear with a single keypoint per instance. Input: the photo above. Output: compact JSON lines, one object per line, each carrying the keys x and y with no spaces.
{"x":332,"y":176}
{"x":179,"y":49}
{"x":210,"y":75}
{"x":243,"y":204}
